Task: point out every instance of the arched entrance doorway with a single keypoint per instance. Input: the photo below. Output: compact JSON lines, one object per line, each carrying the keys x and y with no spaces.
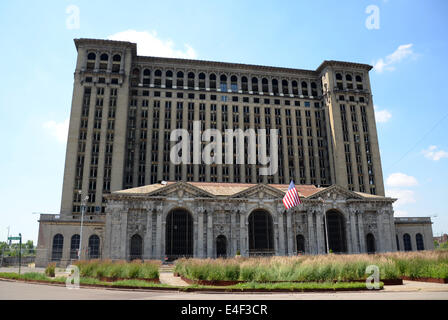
{"x":300,"y":241}
{"x":370,"y":241}
{"x":336,"y":232}
{"x":136,"y":247}
{"x":179,"y":234}
{"x":221,"y":246}
{"x":261,"y":233}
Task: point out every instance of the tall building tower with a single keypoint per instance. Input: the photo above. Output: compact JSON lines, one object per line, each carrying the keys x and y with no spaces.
{"x":125,"y":106}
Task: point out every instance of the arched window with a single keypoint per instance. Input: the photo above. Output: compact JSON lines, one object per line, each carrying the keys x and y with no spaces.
{"x":275,"y":86}
{"x":180,"y":80}
{"x":261,"y":237}
{"x":91,"y":56}
{"x":234,"y":83}
{"x":212,"y":78}
{"x":146,"y":77}
{"x":169,"y":79}
{"x":136,"y":249}
{"x":202,"y":81}
{"x":221,"y":246}
{"x":116,"y":61}
{"x":348,"y":77}
{"x":359,"y":85}
{"x":158,"y":78}
{"x":191,"y":80}
{"x":295,"y":88}
{"x":335,"y":225}
{"x":103,"y":61}
{"x":91,"y":61}
{"x":304,"y":88}
{"x":74,"y":246}
{"x":338,"y":76}
{"x":135,"y":78}
{"x":94,"y":247}
{"x":254,"y":84}
{"x":300,"y":242}
{"x":58,"y":245}
{"x":244,"y":84}
{"x":370,"y":241}
{"x":223,"y":83}
{"x":313,"y":89}
{"x":407,"y":242}
{"x":285,"y":86}
{"x":419,"y":241}
{"x":264,"y":85}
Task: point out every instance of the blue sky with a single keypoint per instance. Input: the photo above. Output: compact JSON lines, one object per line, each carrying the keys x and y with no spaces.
{"x":408,"y":47}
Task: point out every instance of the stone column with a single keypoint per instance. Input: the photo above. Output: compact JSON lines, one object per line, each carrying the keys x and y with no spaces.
{"x":243,"y":230}
{"x":281,"y":234}
{"x":290,"y":233}
{"x":147,"y":249}
{"x":354,"y":233}
{"x":362,"y":243}
{"x":379,"y":227}
{"x":200,"y":246}
{"x":320,"y":233}
{"x":210,"y":235}
{"x":233,"y":229}
{"x":123,"y":235}
{"x":158,"y":253}
{"x":311,"y":241}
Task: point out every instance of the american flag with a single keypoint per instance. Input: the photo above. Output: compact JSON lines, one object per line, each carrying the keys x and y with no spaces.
{"x":291,"y":198}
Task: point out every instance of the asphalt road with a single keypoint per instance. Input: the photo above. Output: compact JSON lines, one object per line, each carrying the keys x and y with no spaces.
{"x":10,"y":290}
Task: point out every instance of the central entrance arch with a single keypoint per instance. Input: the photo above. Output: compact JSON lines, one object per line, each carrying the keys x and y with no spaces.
{"x":336,"y":232}
{"x":179,"y":234}
{"x":261,"y":233}
{"x":221,"y":246}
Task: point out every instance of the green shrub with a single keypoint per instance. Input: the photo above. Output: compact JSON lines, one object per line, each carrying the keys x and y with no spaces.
{"x":50,"y":269}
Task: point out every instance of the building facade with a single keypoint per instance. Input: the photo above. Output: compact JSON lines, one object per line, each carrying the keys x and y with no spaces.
{"x":125,"y":107}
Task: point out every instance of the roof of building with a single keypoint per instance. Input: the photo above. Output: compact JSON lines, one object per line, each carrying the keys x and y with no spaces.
{"x":133,"y":46}
{"x":228,"y":189}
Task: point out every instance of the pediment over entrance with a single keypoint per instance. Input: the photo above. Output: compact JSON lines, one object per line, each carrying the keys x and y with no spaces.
{"x":335,"y":192}
{"x":259,"y":191}
{"x":181,"y":190}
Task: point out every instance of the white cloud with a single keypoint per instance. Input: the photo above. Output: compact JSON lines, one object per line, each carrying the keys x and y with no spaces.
{"x":382,"y":116}
{"x":59,"y":130}
{"x":388,"y":64}
{"x":433,"y":154}
{"x":148,"y":44}
{"x":399,"y":179}
{"x":403,"y":196}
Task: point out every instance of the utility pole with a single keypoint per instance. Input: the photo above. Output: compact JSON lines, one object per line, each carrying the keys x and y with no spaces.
{"x":83,"y":208}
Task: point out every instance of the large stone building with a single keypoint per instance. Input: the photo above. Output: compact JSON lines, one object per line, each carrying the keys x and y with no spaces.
{"x":124,"y":110}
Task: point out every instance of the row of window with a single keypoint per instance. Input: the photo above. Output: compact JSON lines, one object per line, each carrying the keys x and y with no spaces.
{"x":93,"y":249}
{"x":408,"y":244}
{"x":224,"y":83}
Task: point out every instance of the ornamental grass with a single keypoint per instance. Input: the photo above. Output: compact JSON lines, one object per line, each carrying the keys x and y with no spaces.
{"x":119,"y":269}
{"x":317,"y":268}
